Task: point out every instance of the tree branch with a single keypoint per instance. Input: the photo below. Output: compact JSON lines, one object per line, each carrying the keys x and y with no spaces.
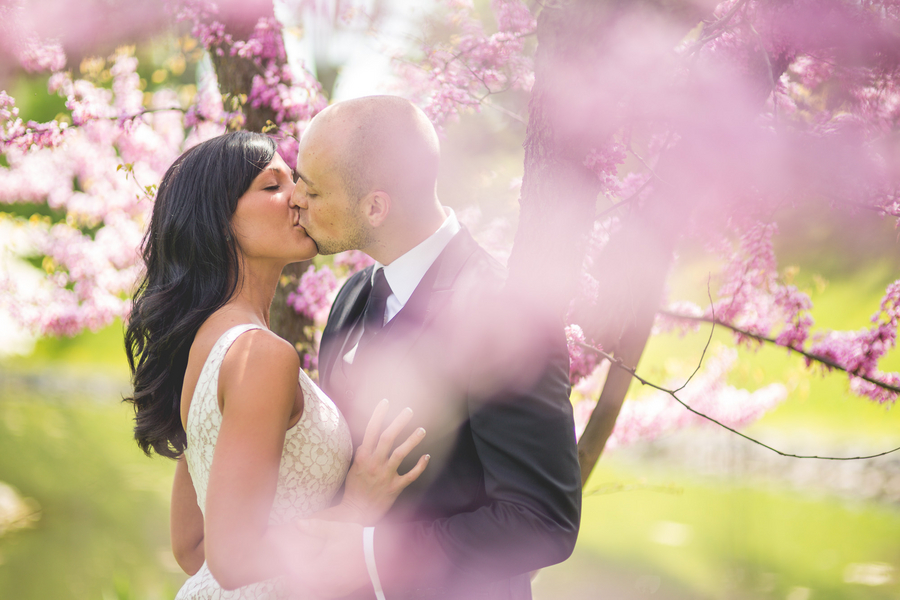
{"x":761,"y":338}
{"x":631,"y":371}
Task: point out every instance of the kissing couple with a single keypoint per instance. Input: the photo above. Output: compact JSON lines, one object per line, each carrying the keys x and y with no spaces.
{"x":285,"y":489}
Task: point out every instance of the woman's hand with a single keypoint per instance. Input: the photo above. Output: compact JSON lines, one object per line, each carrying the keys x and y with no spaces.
{"x":373,"y":483}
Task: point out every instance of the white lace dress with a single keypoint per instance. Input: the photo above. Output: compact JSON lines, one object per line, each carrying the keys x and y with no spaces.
{"x":314,"y":462}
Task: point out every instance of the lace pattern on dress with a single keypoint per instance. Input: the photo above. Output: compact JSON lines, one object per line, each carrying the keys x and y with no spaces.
{"x":314,"y":462}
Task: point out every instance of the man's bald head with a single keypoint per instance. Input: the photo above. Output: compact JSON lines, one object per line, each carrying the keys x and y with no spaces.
{"x":382,"y":143}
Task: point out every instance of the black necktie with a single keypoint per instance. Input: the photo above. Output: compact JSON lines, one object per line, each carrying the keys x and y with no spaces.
{"x":373,"y":316}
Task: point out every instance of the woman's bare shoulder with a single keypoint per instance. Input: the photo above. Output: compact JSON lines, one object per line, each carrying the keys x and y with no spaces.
{"x":258,"y":355}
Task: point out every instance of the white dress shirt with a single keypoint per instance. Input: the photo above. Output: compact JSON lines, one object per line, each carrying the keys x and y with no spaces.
{"x":405,"y":273}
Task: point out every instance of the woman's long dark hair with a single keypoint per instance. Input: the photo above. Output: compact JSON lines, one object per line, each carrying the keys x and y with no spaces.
{"x":192,"y":269}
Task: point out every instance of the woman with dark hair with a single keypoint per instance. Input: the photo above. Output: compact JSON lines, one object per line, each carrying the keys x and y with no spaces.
{"x":214,"y":388}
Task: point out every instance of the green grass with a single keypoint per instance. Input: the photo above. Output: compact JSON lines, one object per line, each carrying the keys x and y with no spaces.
{"x":103,"y":526}
{"x":730,"y":541}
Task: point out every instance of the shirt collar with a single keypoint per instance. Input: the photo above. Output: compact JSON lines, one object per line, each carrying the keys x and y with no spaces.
{"x":405,"y":273}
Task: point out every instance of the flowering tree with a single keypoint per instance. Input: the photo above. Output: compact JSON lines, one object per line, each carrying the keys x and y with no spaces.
{"x":648,"y":123}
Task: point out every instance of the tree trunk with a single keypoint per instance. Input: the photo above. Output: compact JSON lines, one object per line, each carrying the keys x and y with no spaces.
{"x":559,"y":195}
{"x":235,"y":77}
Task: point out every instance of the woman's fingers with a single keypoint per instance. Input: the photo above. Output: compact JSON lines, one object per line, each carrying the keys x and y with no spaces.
{"x":413,"y":474}
{"x":373,"y":429}
{"x":389,"y":435}
{"x":403,"y":450}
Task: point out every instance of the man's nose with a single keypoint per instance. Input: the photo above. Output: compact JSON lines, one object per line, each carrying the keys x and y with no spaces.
{"x":298,"y":198}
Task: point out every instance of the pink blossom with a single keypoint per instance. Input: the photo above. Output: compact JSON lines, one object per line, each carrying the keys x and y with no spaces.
{"x":582,"y":362}
{"x":859,"y":352}
{"x":454,"y":76}
{"x":353,"y":261}
{"x":36,"y":56}
{"x":312,"y":297}
{"x":605,"y":163}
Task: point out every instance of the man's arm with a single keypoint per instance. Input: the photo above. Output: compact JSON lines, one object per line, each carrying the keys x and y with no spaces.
{"x":525,"y":442}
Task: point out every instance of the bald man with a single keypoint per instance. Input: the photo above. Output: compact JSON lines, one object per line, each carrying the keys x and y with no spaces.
{"x":431,"y":327}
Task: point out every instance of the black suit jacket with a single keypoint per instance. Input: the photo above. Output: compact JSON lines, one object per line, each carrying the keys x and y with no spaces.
{"x":501,"y":495}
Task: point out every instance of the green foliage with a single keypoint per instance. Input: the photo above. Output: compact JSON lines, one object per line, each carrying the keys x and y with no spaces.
{"x":101,"y":352}
{"x":25,"y":210}
{"x":33,"y":101}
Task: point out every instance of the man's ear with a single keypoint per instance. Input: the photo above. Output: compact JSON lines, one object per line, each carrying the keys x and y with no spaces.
{"x":376,"y":206}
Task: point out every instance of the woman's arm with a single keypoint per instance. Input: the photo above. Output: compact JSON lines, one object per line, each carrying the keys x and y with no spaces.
{"x":186,"y":521}
{"x":258,"y":389}
{"x":258,"y":386}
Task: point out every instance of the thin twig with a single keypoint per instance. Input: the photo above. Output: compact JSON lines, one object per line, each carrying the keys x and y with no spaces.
{"x":774,"y":83}
{"x":636,"y":193}
{"x":114,"y":118}
{"x":712,"y":330}
{"x":618,"y":363}
{"x":624,"y":202}
{"x":653,"y":174}
{"x":511,"y":114}
{"x":712,"y":31}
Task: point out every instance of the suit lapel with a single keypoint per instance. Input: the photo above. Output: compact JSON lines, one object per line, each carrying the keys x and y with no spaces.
{"x":345,"y":314}
{"x":429,"y":297}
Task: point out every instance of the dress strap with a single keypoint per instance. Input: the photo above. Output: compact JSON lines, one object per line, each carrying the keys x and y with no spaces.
{"x":220,"y":348}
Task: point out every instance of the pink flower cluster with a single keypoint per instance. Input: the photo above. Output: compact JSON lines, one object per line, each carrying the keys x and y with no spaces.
{"x":204,"y":26}
{"x":36,"y":56}
{"x":207,"y":106}
{"x":293,"y":98}
{"x":313,"y":295}
{"x":459,"y":74}
{"x":860,"y":351}
{"x":751,"y":296}
{"x":753,"y":300}
{"x":581,"y":362}
{"x":605,"y":163}
{"x":14,"y":133}
{"x":352,"y":261}
{"x":90,"y":258}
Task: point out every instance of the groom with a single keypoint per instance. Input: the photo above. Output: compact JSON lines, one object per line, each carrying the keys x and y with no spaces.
{"x":432,"y":326}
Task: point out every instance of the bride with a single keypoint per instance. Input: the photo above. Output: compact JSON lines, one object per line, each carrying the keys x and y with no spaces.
{"x":216,"y":389}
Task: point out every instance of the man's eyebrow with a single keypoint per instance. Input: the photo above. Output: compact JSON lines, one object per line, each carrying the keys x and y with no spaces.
{"x":305,"y":180}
